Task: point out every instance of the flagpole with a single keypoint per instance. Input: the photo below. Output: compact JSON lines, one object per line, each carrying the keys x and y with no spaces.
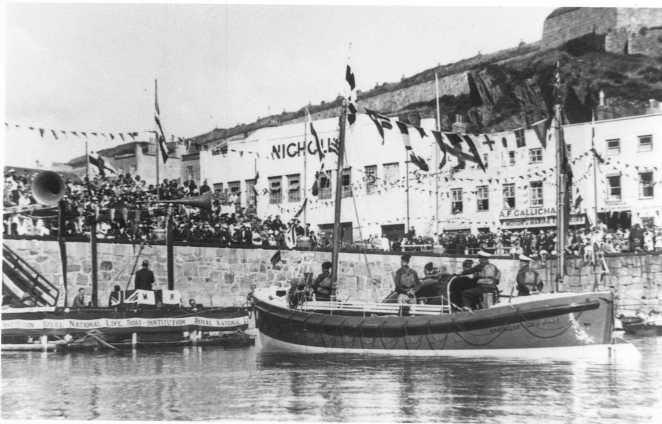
{"x":156,"y":144}
{"x":305,"y":168}
{"x":560,"y":186}
{"x":407,"y":191}
{"x":595,"y":170}
{"x":436,"y":159}
{"x":338,"y":200}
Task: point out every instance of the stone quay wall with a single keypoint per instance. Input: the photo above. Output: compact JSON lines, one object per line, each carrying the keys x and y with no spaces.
{"x":223,"y":276}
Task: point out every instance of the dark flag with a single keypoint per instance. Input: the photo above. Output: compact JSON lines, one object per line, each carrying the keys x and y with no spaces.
{"x":275,"y":259}
{"x":351,"y":98}
{"x":540,"y":128}
{"x":442,"y":146}
{"x":333,"y":146}
{"x":504,"y":142}
{"x":318,"y":145}
{"x":578,"y":201}
{"x":413,"y":157}
{"x":474,"y":151}
{"x":160,"y":135}
{"x":100,"y":163}
{"x":54,"y":134}
{"x":303,"y":206}
{"x":380,"y":121}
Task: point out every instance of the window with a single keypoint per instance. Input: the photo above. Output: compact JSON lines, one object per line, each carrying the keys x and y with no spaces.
{"x":509,"y":196}
{"x":251,"y":195}
{"x":325,"y":185}
{"x":511,"y":158}
{"x":189,"y":172}
{"x":370,"y":179}
{"x":235,"y":191}
{"x":347,"y":182}
{"x":613,"y":146}
{"x":645,"y":143}
{"x":293,"y":188}
{"x":519,"y":138}
{"x":391,"y":172}
{"x":535,"y":155}
{"x":646,"y":185}
{"x":614,"y":187}
{"x":275,"y":193}
{"x":218,"y":188}
{"x":536,"y":193}
{"x":485,"y":156}
{"x":482,"y":198}
{"x":456,"y":201}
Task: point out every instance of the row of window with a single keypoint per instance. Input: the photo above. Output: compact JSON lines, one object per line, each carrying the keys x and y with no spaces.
{"x":483,"y":197}
{"x":646,"y":186}
{"x":645,"y":144}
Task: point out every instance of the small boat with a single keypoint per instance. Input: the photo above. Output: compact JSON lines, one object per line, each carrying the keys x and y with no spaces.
{"x":642,"y":326}
{"x":537,"y":321}
{"x":128,"y":326}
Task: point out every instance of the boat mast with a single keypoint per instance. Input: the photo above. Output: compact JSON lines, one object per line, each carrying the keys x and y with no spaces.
{"x":338,"y":199}
{"x":436,"y":158}
{"x":560,"y":182}
{"x":156,"y":143}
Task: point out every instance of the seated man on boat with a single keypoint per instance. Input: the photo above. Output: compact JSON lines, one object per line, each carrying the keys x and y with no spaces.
{"x":406,"y":283}
{"x":487,"y":278}
{"x":322,"y":286}
{"x":528,"y":280}
{"x":465,"y":283}
{"x":144,"y":277}
{"x":433,"y":285}
{"x":116,"y":296}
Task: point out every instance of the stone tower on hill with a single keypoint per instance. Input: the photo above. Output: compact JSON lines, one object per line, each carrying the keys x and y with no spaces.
{"x":615,"y":30}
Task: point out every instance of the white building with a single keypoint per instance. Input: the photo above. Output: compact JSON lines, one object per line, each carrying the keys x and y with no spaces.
{"x":516,"y":191}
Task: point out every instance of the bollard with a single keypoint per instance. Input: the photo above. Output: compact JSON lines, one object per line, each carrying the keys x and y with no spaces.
{"x":44,"y":342}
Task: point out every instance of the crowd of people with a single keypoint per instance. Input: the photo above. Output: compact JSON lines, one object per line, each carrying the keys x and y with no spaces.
{"x":123,"y":208}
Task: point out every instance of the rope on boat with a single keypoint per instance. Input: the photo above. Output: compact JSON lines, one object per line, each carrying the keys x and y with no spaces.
{"x":524,"y":320}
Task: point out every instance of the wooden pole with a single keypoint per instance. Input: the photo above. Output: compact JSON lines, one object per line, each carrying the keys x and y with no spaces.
{"x":169,"y":250}
{"x":338,"y":199}
{"x":94,"y":255}
{"x":436,"y":159}
{"x":407,"y":192}
{"x":561,"y":198}
{"x":595,"y":172}
{"x":156,"y":144}
{"x":63,"y":250}
{"x":305,"y":169}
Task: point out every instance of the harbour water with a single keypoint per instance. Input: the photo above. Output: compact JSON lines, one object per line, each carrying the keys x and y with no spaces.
{"x":247,"y":384}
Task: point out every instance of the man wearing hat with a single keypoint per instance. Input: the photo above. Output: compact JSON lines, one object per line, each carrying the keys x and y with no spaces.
{"x":406,"y":279}
{"x":144,"y":277}
{"x":527,"y":279}
{"x":323,"y":286}
{"x":487,"y":277}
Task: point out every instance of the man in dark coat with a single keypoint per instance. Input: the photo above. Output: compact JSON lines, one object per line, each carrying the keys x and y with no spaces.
{"x":323,"y":286}
{"x":144,"y":278}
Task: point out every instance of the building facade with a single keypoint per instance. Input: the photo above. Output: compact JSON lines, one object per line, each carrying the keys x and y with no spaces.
{"x":385,"y":194}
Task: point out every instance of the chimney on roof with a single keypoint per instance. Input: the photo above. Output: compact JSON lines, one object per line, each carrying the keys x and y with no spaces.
{"x":602,"y":98}
{"x":653,"y":106}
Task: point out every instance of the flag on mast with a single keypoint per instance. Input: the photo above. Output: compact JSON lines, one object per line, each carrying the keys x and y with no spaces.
{"x":351,"y":97}
{"x":101,"y":164}
{"x":160,"y":135}
{"x":318,"y":144}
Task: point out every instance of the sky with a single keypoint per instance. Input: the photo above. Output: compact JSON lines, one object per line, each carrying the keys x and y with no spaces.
{"x":91,"y":67}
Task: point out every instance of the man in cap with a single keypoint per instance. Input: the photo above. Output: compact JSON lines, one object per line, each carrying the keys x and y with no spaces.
{"x":144,"y":277}
{"x":528,"y":280}
{"x":406,"y":279}
{"x":487,"y":277}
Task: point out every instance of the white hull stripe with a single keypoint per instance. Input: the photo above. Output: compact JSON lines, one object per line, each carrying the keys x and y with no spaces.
{"x":85,"y":324}
{"x":624,"y":350}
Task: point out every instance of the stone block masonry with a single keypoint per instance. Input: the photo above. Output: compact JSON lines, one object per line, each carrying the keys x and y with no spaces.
{"x":223,"y":276}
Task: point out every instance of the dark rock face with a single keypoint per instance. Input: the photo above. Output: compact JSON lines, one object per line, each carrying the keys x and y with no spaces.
{"x":520,"y":91}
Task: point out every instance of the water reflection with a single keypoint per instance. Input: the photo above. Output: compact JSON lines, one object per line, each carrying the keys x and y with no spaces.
{"x":199,"y":383}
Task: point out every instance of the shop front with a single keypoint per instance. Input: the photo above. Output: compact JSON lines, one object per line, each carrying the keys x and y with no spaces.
{"x":536,"y":219}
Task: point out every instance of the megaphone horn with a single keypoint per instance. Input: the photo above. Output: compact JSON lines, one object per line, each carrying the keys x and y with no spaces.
{"x":203,"y":201}
{"x":48,"y":187}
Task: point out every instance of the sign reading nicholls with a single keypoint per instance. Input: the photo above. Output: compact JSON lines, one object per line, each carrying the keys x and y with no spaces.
{"x":296,"y":149}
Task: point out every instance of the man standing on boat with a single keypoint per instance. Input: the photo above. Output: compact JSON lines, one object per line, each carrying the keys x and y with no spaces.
{"x":144,"y":277}
{"x":527,"y":279}
{"x":487,"y":278}
{"x":323,"y":285}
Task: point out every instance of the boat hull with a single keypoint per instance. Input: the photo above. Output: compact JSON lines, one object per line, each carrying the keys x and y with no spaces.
{"x":563,"y":321}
